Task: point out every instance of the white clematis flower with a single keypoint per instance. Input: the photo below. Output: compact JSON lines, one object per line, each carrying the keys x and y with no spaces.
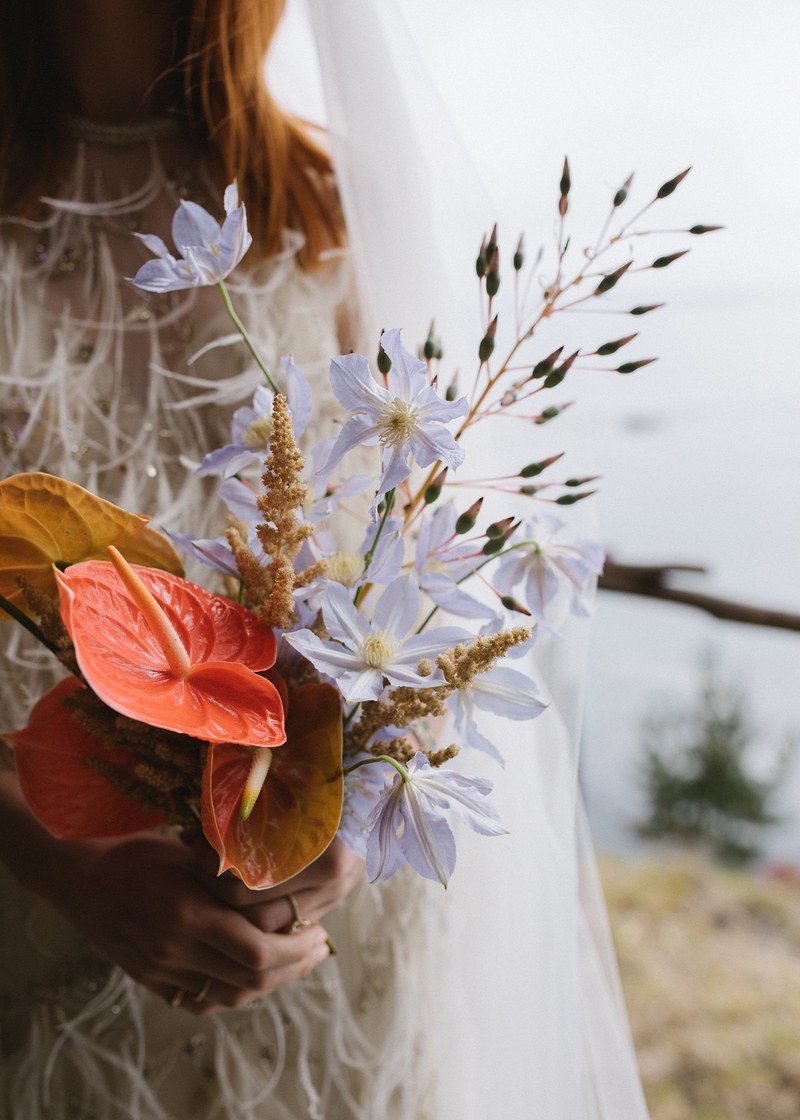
{"x":545,"y":560}
{"x":407,"y":826}
{"x":363,"y":655}
{"x":503,"y":692}
{"x":407,"y":418}
{"x":207,"y":251}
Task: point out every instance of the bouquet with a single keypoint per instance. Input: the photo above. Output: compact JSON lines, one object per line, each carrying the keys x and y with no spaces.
{"x":310,"y":698}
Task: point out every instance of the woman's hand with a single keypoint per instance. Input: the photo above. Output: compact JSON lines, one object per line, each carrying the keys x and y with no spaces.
{"x":142,"y":901}
{"x":316,"y":890}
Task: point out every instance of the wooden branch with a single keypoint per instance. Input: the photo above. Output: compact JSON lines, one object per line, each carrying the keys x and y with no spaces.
{"x":649,"y":580}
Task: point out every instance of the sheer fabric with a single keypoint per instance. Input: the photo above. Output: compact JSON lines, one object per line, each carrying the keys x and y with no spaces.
{"x":535,"y":1012}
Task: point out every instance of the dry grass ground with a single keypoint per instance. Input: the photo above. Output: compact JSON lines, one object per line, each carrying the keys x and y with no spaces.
{"x":710,"y":963}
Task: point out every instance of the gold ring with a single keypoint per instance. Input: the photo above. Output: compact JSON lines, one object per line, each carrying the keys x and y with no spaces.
{"x":177,"y":998}
{"x":298,"y":923}
{"x":201,"y":995}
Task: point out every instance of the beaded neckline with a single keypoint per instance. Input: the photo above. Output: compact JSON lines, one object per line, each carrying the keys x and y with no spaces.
{"x":132,"y":132}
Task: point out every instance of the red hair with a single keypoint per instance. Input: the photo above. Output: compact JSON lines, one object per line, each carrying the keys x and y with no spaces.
{"x":284,"y":174}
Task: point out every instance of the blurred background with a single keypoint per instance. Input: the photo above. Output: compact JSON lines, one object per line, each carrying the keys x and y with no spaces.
{"x":699,"y":455}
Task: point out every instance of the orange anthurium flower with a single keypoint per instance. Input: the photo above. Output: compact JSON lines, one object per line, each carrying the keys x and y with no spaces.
{"x":297,"y":812}
{"x":69,"y":798}
{"x":45,"y":520}
{"x":161,"y":650}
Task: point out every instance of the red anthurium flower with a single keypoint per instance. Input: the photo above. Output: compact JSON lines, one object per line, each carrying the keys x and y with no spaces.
{"x":161,"y":650}
{"x":69,"y":798}
{"x":297,"y":812}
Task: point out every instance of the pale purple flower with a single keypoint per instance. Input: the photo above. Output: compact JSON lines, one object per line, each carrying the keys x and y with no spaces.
{"x":442,"y":559}
{"x":501,"y":691}
{"x":241,"y":499}
{"x":407,"y":418}
{"x":362,"y":790}
{"x":407,"y":826}
{"x":363,"y":655}
{"x":207,"y":252}
{"x":545,"y":559}
{"x":251,"y":426}
{"x":215,"y":554}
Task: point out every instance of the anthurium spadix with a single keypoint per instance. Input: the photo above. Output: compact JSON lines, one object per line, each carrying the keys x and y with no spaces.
{"x":158,"y":649}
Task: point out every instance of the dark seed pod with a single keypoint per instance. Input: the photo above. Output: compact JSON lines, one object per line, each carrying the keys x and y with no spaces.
{"x":668,"y":187}
{"x":662,"y":262}
{"x":384,"y":361}
{"x":511,"y":604}
{"x":612,"y":347}
{"x":645,"y":309}
{"x":631,"y":367}
{"x":571,"y":499}
{"x":696,"y":230}
{"x":542,"y":368}
{"x":466,"y":520}
{"x":622,"y":193}
{"x":519,"y":253}
{"x":499,"y":528}
{"x":547,"y":414}
{"x":608,"y":282}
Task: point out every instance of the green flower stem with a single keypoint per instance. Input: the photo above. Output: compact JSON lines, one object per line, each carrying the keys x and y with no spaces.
{"x":237,"y":322}
{"x":348,"y":719}
{"x":28,"y":623}
{"x":401,"y":770}
{"x":387,"y":509}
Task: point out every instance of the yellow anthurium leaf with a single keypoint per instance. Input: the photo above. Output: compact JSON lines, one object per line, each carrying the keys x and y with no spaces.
{"x":297,"y":812}
{"x":46,"y":521}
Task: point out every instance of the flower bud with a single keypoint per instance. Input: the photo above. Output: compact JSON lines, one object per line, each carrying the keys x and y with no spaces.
{"x":511,"y":604}
{"x":608,"y":282}
{"x":558,"y":375}
{"x":451,"y":392}
{"x":645,"y":309}
{"x":704,"y":229}
{"x":622,"y":193}
{"x":668,"y":187}
{"x":495,"y":544}
{"x":542,"y":368}
{"x":486,"y":348}
{"x":662,"y":262}
{"x":612,"y":347}
{"x":434,"y":490}
{"x":519,"y":253}
{"x":533,"y":469}
{"x":631,"y":367}
{"x":490,"y":248}
{"x":547,"y":414}
{"x":466,"y":520}
{"x":529,"y":491}
{"x":499,"y":528}
{"x":384,"y":361}
{"x":564,"y":187}
{"x":571,"y":499}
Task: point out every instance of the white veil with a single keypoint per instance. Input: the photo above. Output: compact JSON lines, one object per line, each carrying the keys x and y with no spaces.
{"x":532,"y":1021}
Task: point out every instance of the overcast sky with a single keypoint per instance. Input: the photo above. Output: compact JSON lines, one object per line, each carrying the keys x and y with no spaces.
{"x":620,"y":85}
